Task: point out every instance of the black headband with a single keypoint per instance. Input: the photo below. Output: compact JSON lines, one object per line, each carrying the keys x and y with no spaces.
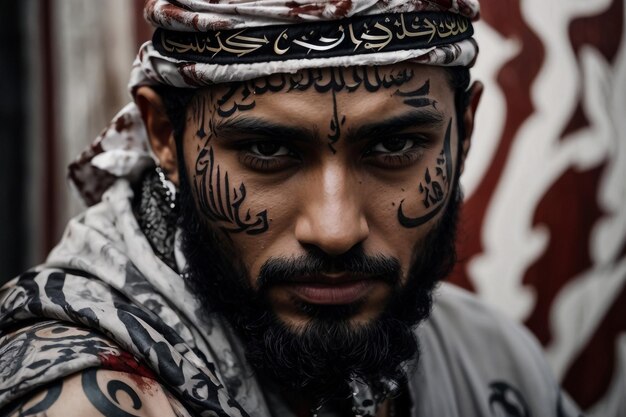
{"x":354,"y":36}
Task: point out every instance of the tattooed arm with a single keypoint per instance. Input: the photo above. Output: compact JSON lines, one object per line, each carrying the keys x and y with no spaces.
{"x":99,"y":392}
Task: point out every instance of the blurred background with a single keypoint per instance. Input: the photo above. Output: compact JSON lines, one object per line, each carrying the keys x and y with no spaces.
{"x":543,"y":236}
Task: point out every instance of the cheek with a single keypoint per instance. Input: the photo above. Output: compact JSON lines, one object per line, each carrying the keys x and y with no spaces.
{"x":433,"y":186}
{"x":280,"y":208}
{"x":421,"y":193}
{"x":387,"y":235}
{"x":223,"y":196}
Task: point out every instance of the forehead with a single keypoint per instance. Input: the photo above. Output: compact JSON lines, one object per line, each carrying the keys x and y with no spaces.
{"x":362,"y":93}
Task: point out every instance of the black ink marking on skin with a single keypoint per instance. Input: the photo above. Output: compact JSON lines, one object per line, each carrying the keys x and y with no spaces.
{"x":52,"y":395}
{"x":335,"y":126}
{"x":215,"y":197}
{"x":432,"y":189}
{"x":199,"y":116}
{"x":102,"y":403}
{"x":331,"y":80}
{"x":218,"y":204}
{"x":417,"y":98}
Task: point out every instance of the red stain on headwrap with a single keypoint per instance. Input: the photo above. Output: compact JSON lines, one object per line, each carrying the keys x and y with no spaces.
{"x":194,"y":22}
{"x":297,"y":9}
{"x":89,"y":180}
{"x":190,"y":75}
{"x":122,"y":123}
{"x":173,"y":13}
{"x":343,"y":7}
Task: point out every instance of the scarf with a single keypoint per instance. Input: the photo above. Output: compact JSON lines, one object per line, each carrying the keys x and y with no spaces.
{"x":127,"y":311}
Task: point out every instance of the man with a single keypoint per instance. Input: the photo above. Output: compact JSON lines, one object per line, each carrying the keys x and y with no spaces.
{"x":279,"y":258}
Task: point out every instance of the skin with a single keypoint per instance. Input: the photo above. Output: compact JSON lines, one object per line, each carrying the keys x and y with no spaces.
{"x":331,"y":188}
{"x":101,"y":393}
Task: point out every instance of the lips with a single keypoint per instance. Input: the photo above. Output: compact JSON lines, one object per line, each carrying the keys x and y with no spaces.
{"x":334,"y":291}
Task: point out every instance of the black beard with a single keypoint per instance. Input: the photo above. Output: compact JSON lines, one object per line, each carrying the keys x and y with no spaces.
{"x":322,"y":357}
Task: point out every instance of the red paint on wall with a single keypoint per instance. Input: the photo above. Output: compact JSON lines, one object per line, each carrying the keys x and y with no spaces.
{"x":515,"y":78}
{"x":143,"y":30}
{"x":593,"y":30}
{"x":569,"y":211}
{"x":603,"y":31}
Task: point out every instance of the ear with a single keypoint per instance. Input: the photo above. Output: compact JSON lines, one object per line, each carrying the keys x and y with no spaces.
{"x":159,"y":129}
{"x":476,"y":91}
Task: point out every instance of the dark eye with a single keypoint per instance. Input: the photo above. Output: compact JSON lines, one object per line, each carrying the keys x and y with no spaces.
{"x":393,"y":145}
{"x":268,"y":149}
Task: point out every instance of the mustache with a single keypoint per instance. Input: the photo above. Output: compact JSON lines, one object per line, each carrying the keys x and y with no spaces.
{"x":315,"y":263}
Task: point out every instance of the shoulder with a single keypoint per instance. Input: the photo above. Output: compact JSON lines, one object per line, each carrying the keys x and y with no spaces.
{"x":459,"y":316}
{"x":99,"y":392}
{"x":483,"y":359}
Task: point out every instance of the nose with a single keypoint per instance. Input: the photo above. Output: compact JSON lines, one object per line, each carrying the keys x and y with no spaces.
{"x":332,"y":217}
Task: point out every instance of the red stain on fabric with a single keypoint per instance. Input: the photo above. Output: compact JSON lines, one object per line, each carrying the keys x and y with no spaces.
{"x":194,"y":22}
{"x":190,"y":75}
{"x":125,"y":362}
{"x":343,"y":7}
{"x":296,"y":9}
{"x":142,"y":376}
{"x":123,"y":123}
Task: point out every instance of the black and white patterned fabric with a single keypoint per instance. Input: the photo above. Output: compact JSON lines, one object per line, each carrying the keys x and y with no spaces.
{"x":104,"y":283}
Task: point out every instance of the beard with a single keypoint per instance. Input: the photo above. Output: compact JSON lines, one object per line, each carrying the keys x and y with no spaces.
{"x":320,"y":358}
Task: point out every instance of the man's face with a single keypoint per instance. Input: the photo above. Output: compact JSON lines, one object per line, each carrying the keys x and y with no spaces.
{"x":326,"y":162}
{"x":318,"y":212}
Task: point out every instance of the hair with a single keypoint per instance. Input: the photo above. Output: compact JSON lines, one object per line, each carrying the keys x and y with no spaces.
{"x":176,"y":101}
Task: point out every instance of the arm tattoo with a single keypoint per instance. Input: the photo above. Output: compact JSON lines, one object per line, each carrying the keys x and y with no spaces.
{"x":101,"y":402}
{"x":40,"y":408}
{"x":434,"y":190}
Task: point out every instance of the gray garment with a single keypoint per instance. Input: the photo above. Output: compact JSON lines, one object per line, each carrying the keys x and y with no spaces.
{"x":104,"y":286}
{"x":477,"y":363}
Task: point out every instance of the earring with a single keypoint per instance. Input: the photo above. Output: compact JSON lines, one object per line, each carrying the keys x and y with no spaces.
{"x":168,"y":187}
{"x":157,"y":214}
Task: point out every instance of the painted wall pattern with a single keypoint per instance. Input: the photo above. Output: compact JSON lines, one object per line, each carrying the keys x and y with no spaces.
{"x":544,"y":236}
{"x":544,"y":225}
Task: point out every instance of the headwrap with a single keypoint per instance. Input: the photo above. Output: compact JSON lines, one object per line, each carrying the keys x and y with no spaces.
{"x":198,"y":43}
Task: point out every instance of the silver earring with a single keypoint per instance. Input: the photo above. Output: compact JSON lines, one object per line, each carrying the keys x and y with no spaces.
{"x":168,"y":187}
{"x":157,"y":214}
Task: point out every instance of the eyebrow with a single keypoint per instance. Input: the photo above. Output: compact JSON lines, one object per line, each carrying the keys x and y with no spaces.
{"x":421,"y":118}
{"x":265,"y":128}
